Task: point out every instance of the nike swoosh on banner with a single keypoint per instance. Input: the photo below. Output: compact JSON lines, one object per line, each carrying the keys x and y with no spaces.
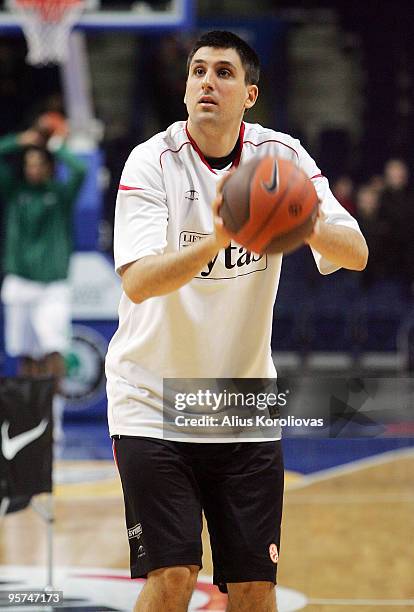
{"x":11,"y":446}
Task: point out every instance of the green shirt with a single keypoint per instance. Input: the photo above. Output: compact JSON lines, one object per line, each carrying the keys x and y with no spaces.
{"x":38,"y":218}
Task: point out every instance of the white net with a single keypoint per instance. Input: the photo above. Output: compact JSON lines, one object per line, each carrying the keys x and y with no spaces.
{"x":47,"y":25}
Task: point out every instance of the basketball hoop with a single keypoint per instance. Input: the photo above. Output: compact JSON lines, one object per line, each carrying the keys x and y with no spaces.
{"x":47,"y":25}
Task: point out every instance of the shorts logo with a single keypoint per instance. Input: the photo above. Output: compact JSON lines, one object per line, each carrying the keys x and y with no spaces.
{"x":141,"y":552}
{"x":135,"y":532}
{"x":273,"y":554}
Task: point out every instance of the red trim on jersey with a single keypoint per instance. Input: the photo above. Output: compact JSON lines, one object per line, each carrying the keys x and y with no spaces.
{"x":172,"y":150}
{"x":317,"y":176}
{"x":271,"y":140}
{"x":114,"y":453}
{"x":128,"y":188}
{"x":198,"y":150}
{"x":236,"y":161}
{"x":241,"y":142}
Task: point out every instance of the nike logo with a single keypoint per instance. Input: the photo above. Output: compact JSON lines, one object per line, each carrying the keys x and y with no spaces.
{"x":11,"y":446}
{"x":273,"y":184}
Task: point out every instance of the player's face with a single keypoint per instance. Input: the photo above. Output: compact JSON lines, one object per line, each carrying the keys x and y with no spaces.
{"x":36,"y":168}
{"x":216,"y":90}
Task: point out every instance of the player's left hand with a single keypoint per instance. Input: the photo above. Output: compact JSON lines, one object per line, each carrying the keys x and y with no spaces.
{"x":320,"y":219}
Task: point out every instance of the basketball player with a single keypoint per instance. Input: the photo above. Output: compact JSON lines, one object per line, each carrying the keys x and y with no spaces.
{"x":38,"y":244}
{"x":194,"y":305}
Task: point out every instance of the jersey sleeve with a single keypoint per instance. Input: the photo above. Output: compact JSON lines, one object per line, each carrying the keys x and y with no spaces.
{"x":141,"y":212}
{"x":335,"y":214}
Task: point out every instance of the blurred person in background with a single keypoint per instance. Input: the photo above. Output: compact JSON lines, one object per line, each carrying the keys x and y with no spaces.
{"x":377,"y":183}
{"x":374,"y":230}
{"x":36,"y":254}
{"x":343,"y":190}
{"x":396,"y":214}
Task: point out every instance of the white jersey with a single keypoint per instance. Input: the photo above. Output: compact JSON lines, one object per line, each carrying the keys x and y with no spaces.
{"x":219,"y":324}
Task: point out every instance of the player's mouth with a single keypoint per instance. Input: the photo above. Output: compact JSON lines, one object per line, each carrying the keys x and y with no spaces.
{"x":207,"y":101}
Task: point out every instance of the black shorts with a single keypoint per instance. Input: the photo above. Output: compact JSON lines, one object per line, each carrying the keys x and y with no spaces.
{"x":167,"y":484}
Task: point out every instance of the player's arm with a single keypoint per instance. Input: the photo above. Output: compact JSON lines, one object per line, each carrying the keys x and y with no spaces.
{"x":157,"y":275}
{"x":337,"y":241}
{"x":342,"y":246}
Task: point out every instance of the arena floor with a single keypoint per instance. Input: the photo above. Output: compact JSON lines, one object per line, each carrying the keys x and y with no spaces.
{"x":347,"y":530}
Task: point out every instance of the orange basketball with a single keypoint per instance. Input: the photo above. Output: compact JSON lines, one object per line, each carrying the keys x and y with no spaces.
{"x":269,"y":205}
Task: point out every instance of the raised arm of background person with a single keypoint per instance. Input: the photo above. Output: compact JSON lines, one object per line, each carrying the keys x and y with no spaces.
{"x":13,"y":143}
{"x":342,"y":246}
{"x":77,"y":172}
{"x":160,"y":274}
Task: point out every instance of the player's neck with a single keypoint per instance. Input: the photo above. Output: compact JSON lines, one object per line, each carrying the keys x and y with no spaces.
{"x":213,"y":141}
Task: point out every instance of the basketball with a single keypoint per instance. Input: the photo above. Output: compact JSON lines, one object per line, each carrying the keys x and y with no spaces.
{"x":269,"y":205}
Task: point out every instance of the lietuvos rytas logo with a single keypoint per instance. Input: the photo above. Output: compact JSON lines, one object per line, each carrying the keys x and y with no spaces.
{"x":232,"y":262}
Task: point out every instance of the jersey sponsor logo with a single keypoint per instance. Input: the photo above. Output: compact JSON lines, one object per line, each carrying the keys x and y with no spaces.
{"x":135,"y":532}
{"x":192,"y":195}
{"x":231,"y":262}
{"x":11,"y":446}
{"x":273,"y":554}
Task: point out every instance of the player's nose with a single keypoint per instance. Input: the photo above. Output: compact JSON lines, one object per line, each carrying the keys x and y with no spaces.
{"x":207,"y":81}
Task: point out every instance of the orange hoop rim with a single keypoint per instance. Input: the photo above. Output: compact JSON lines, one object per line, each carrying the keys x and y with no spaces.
{"x":49,"y":10}
{"x":48,"y":3}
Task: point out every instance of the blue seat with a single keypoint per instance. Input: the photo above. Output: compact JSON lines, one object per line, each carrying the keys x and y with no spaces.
{"x":378,"y":314}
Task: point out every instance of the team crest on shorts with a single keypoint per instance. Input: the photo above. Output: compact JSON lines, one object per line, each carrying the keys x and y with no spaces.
{"x":273,"y":554}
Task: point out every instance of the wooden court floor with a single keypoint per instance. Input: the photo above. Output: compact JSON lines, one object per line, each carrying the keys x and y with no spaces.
{"x":348,"y":533}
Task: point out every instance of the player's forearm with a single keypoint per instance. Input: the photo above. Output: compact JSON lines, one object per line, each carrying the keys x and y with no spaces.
{"x":340,"y":245}
{"x":161,"y":274}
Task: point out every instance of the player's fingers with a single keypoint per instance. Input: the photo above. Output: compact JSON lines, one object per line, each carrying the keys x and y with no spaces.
{"x":217,"y":202}
{"x":220,"y":183}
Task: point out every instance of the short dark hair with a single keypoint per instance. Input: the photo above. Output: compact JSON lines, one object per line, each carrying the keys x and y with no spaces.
{"x":221,"y":39}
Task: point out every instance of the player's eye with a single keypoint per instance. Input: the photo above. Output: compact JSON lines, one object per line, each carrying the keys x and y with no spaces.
{"x":198,"y":71}
{"x":224,"y":73}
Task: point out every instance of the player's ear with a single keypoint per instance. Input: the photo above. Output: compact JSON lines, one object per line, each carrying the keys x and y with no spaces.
{"x":252,"y":93}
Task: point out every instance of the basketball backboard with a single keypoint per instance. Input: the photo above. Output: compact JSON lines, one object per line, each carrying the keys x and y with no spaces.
{"x":122,"y":15}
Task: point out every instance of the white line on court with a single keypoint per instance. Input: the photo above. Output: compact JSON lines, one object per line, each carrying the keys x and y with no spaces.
{"x":361,"y":602}
{"x":349,"y":468}
{"x":351,"y":498}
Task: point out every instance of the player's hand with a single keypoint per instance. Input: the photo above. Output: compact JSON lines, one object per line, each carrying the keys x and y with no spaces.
{"x":222,"y":237}
{"x":31,"y":137}
{"x":320,"y":218}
